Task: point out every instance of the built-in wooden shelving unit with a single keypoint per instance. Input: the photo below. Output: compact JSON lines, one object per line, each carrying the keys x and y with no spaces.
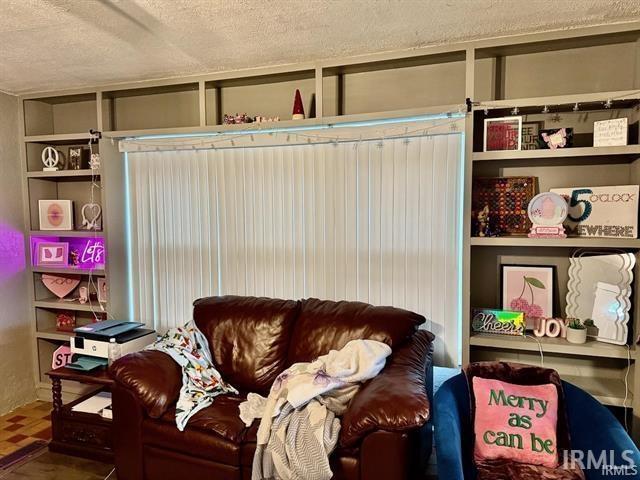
{"x":562,"y":83}
{"x":60,"y":121}
{"x":554,"y":69}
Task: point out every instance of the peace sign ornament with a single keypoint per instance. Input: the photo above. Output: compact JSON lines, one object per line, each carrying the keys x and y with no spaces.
{"x":50,"y":159}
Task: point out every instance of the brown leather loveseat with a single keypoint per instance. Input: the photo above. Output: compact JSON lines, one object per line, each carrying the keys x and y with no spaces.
{"x":386,"y":433}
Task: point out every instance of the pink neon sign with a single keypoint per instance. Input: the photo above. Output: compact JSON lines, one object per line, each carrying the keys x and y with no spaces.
{"x":84,"y":253}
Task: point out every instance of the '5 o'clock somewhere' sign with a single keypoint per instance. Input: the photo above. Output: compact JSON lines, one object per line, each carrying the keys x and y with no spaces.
{"x":602,"y":211}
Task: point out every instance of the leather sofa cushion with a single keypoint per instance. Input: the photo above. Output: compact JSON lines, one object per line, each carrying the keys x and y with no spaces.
{"x":220,"y":418}
{"x":191,"y":442}
{"x":324,"y":325}
{"x":214,"y":433}
{"x":248,"y":337}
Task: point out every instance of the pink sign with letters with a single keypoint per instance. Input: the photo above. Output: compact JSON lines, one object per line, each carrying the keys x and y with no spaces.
{"x":61,"y":357}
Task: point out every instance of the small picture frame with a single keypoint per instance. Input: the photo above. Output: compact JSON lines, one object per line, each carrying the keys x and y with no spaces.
{"x":528,"y":289}
{"x":553,"y":138}
{"x":611,"y":133}
{"x":103,"y":290}
{"x":55,"y":214}
{"x":53,"y":254}
{"x":530,"y":131}
{"x":503,"y":133}
{"x":78,"y":158}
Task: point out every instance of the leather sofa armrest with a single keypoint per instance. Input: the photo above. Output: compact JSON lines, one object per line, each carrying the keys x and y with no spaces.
{"x":153,"y":377}
{"x":397,"y":399}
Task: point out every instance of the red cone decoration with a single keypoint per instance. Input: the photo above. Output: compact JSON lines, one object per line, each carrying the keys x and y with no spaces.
{"x":298,"y":108}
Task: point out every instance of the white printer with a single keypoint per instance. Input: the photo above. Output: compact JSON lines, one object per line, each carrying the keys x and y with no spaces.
{"x":110,"y":339}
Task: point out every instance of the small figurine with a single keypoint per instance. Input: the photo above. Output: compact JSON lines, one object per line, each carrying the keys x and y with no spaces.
{"x":74,"y":257}
{"x":261,"y":119}
{"x":485,"y":225}
{"x":84,"y":295}
{"x":483,"y":221}
{"x":236,"y":119}
{"x":298,"y":108}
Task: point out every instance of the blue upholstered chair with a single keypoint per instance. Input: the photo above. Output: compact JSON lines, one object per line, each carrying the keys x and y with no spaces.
{"x":592,"y":427}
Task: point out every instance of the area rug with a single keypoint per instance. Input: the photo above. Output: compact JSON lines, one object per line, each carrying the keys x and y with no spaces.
{"x":22,"y":455}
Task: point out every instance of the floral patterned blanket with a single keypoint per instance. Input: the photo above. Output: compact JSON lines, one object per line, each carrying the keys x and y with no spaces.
{"x":201,"y":382}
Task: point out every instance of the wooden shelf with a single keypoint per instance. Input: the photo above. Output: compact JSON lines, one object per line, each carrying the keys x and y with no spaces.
{"x":78,"y":271}
{"x":53,"y":334}
{"x":62,"y":174}
{"x":67,"y":233}
{"x":570,"y":242}
{"x":570,"y":100}
{"x":59,"y":139}
{"x":75,"y":305}
{"x":551,"y":345}
{"x":609,"y":391}
{"x":628,"y":150}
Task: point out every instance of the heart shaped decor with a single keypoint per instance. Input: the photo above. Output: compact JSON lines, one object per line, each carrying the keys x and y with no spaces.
{"x":60,"y":285}
{"x":91,"y":213}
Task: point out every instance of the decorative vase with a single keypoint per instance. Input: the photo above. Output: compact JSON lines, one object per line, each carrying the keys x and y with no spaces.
{"x":576,"y":335}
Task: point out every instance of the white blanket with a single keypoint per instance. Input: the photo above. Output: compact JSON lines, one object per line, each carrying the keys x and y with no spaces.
{"x":299,"y":428}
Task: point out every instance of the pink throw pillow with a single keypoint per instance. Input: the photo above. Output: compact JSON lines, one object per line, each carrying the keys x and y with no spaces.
{"x":515,"y":422}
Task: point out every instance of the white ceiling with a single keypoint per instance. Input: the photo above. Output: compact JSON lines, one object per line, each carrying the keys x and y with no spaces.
{"x":59,"y":44}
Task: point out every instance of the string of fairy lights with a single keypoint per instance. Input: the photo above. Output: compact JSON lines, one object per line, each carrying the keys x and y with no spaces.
{"x":449,"y":123}
{"x":95,"y":186}
{"x":315,"y":134}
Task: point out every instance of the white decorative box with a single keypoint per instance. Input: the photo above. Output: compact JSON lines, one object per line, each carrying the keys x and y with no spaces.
{"x":610,"y":212}
{"x":610,"y":133}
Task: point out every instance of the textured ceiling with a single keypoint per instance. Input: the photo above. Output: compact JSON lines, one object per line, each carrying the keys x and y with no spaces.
{"x":59,"y":44}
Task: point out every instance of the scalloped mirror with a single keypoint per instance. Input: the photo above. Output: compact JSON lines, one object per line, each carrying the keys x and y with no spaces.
{"x":599,"y":288}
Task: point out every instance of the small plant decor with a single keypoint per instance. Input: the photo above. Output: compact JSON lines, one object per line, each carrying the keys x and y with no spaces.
{"x":576,"y":331}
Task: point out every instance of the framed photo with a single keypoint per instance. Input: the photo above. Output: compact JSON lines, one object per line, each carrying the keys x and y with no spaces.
{"x":553,"y":138}
{"x":103,"y":290}
{"x":78,"y":158}
{"x":530,"y":131}
{"x":55,"y":214}
{"x":528,"y":289}
{"x":503,"y":133}
{"x":610,"y":133}
{"x":53,"y":254}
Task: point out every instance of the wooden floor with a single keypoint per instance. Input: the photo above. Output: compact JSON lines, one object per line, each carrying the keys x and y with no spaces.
{"x":25,"y":425}
{"x":54,"y":466}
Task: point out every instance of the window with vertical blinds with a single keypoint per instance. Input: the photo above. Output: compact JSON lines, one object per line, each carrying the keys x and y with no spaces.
{"x":370,"y":220}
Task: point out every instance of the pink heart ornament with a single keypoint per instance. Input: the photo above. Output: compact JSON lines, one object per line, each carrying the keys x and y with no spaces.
{"x":60,"y":285}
